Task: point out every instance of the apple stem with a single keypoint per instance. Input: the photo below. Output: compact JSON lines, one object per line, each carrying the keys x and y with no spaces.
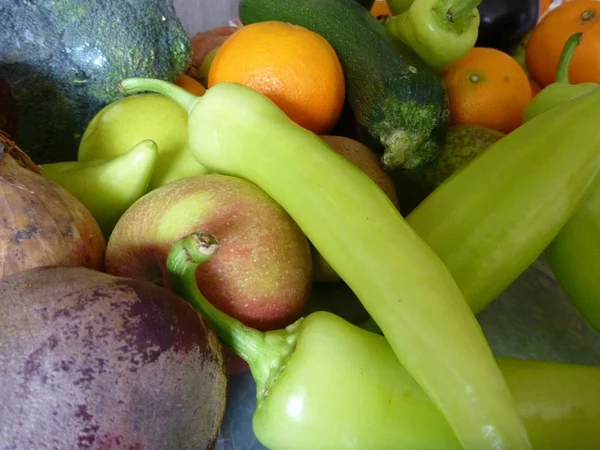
{"x":265,"y":352}
{"x":179,"y":95}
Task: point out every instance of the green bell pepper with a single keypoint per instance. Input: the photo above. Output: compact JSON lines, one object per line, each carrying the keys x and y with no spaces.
{"x":490,"y":220}
{"x":560,"y":91}
{"x":323,"y":383}
{"x":400,"y":281}
{"x":440,"y":31}
{"x":574,"y":255}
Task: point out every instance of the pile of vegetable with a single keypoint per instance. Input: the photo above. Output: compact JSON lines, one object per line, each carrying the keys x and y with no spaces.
{"x":174,"y":207}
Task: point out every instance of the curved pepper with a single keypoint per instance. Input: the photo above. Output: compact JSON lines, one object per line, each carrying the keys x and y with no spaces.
{"x":351,"y":222}
{"x":492,"y":219}
{"x":325,"y":384}
{"x":574,"y":255}
{"x":108,"y":186}
{"x":440,"y":31}
{"x":560,"y":91}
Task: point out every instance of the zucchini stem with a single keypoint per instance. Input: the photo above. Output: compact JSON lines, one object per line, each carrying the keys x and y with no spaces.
{"x":460,"y":9}
{"x":566,"y":56}
{"x":179,"y":95}
{"x":265,"y":353}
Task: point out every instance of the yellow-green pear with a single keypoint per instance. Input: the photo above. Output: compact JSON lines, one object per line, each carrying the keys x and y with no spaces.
{"x":109,"y":186}
{"x":120,"y":125}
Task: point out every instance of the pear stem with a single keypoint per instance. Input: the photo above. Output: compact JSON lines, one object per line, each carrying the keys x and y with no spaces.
{"x":179,"y":95}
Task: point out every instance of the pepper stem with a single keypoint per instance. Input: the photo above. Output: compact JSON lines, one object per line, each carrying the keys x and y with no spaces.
{"x":265,"y":352}
{"x":179,"y":95}
{"x":460,"y":9}
{"x":566,"y":56}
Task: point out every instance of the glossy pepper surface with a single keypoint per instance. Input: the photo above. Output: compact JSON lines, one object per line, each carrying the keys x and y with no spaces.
{"x":492,"y":219}
{"x":398,"y":278}
{"x":574,"y":255}
{"x":440,"y":31}
{"x":325,"y":384}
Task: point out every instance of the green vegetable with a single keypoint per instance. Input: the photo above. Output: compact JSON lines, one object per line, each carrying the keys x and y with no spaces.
{"x":64,"y":58}
{"x":560,"y":91}
{"x":323,"y":383}
{"x":124,"y":123}
{"x":402,"y":284}
{"x":397,"y":100}
{"x":574,"y":255}
{"x":440,"y":31}
{"x":399,"y":6}
{"x":107,"y":187}
{"x":490,"y":222}
{"x":367,"y":4}
{"x":463,"y":144}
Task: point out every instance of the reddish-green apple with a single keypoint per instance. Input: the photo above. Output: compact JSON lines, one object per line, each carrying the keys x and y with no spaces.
{"x":262,"y":273}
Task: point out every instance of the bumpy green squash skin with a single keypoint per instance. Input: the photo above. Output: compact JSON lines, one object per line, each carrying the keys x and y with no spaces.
{"x":64,"y":59}
{"x":399,"y":103}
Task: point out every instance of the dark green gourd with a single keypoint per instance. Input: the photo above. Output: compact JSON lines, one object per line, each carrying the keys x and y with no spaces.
{"x":64,"y":59}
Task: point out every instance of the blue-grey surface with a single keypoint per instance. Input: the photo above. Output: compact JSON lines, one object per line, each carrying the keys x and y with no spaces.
{"x":533,"y":319}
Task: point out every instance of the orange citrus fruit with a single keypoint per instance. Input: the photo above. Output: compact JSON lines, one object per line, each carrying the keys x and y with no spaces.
{"x":190,"y":84}
{"x":489,"y":88}
{"x":550,"y":35}
{"x":293,"y":66}
{"x":381,"y":8}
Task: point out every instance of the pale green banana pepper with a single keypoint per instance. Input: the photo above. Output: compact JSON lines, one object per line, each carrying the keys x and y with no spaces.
{"x":401,"y":282}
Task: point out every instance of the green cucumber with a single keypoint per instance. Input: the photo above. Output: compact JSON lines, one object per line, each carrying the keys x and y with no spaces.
{"x":399,"y":103}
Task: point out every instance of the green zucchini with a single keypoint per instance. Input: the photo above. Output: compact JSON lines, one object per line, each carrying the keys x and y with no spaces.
{"x":64,"y":59}
{"x":399,"y":103}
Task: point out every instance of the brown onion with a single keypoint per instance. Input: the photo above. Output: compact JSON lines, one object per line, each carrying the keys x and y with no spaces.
{"x":41,"y":224}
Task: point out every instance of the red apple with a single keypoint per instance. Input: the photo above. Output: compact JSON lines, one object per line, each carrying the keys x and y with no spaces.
{"x":262,"y":272}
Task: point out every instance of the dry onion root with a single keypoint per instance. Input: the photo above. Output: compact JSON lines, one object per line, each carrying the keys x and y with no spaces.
{"x":41,"y":224}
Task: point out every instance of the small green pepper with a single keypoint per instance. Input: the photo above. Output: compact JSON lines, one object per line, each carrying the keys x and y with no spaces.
{"x":108,"y":186}
{"x":440,"y":31}
{"x":323,"y":383}
{"x":355,"y":226}
{"x":560,"y":91}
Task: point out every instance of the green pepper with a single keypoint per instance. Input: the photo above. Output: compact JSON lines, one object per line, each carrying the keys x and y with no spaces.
{"x":323,"y":383}
{"x":490,"y":220}
{"x":560,"y":91}
{"x":355,"y":226}
{"x":574,"y":255}
{"x":108,"y":186}
{"x":440,"y":31}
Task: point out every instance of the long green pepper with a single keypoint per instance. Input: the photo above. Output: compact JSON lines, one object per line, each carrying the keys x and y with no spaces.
{"x":490,"y":220}
{"x":401,"y":282}
{"x":325,"y":384}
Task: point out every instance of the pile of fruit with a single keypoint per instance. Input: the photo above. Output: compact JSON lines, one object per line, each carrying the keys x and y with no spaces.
{"x":171,"y":204}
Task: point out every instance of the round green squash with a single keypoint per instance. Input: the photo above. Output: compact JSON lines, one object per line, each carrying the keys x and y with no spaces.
{"x":65,"y":58}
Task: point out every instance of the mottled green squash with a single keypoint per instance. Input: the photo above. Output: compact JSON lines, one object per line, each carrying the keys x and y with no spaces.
{"x":64,"y":59}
